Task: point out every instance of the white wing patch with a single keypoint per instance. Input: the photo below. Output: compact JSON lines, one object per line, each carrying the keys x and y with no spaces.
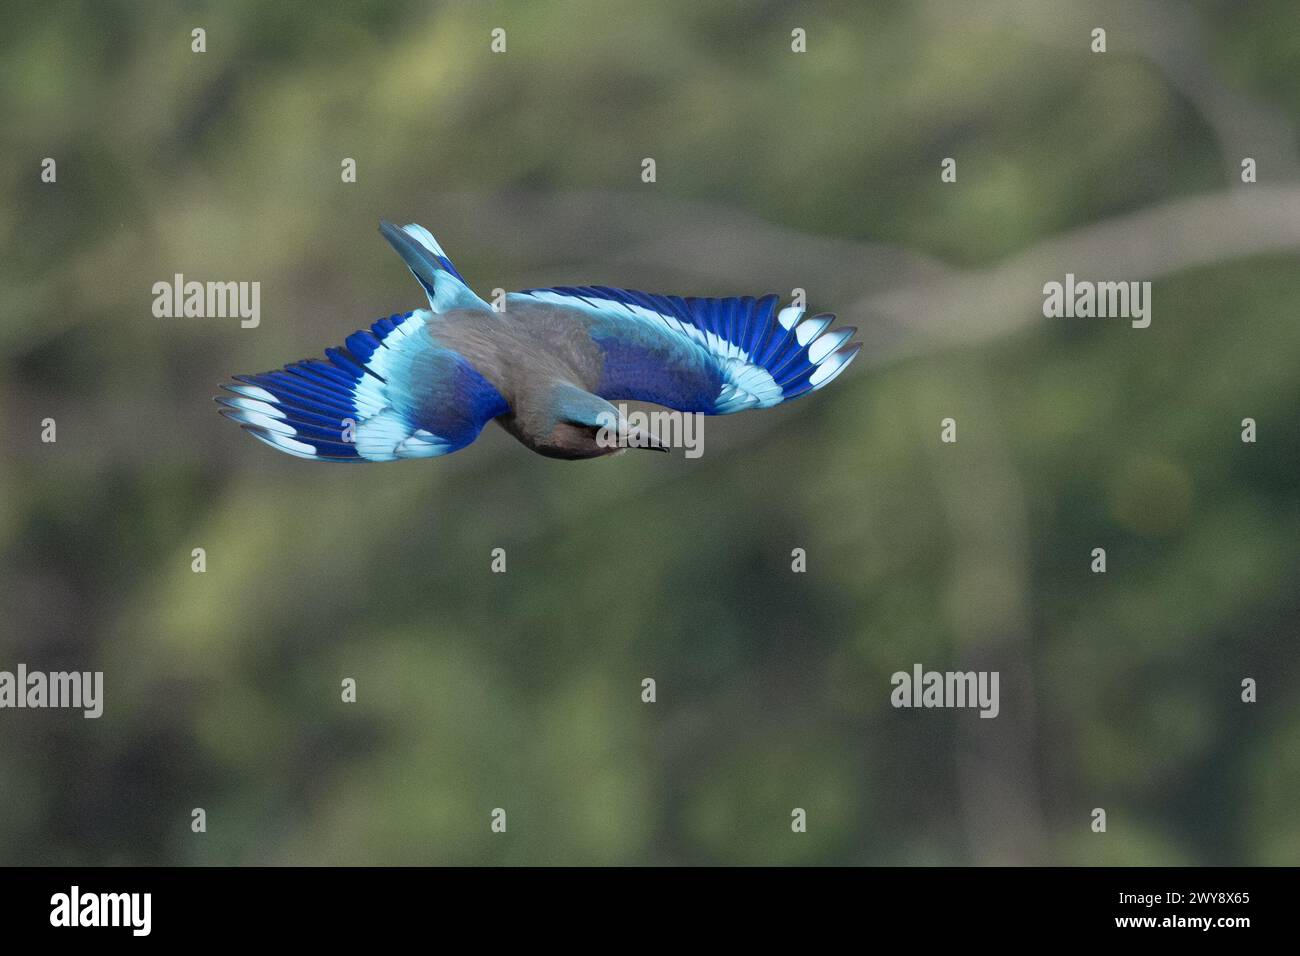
{"x":383,"y":434}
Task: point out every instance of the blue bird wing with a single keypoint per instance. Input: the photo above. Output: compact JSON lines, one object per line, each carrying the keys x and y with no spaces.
{"x":715,"y":356}
{"x":391,"y":392}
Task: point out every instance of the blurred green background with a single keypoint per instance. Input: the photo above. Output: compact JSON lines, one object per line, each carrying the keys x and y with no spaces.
{"x":521,"y":690}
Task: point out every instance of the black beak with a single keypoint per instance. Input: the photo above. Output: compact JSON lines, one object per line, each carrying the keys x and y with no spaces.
{"x":637,"y":438}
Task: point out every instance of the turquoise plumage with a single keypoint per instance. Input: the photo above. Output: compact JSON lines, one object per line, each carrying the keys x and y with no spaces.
{"x":547,"y":367}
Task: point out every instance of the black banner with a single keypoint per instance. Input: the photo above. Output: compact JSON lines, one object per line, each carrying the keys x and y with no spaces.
{"x":331,"y":905}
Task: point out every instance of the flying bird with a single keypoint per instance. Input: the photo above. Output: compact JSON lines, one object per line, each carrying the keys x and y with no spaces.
{"x":546,"y":367}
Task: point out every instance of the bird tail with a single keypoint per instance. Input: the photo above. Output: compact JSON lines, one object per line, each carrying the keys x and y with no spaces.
{"x":443,"y":284}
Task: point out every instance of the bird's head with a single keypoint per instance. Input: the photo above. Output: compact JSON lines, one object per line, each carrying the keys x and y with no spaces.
{"x":572,"y":423}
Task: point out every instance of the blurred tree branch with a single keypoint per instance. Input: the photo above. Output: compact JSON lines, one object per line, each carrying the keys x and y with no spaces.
{"x":1150,"y":244}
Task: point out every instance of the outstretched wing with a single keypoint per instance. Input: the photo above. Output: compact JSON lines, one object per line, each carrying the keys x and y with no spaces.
{"x":714,"y":356}
{"x":391,"y":392}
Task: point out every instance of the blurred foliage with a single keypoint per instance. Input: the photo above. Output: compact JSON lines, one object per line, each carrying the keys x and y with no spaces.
{"x":522,"y":690}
